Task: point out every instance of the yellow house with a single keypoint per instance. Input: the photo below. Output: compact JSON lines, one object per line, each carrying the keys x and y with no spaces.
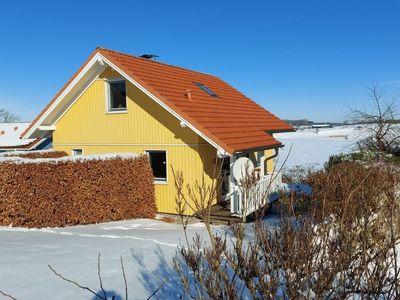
{"x":181,"y":118}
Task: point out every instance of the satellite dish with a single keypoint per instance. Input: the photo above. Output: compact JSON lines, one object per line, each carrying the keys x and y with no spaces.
{"x":241,"y":168}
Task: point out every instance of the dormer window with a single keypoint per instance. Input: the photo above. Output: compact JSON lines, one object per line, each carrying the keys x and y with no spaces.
{"x":116,"y":92}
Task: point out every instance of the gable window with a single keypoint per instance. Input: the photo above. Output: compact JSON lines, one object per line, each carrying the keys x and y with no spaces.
{"x":116,"y":95}
{"x":76,"y":152}
{"x":158,"y":161}
{"x":206,"y":89}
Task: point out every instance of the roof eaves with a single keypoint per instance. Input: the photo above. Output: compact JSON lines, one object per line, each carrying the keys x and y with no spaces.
{"x":23,"y":134}
{"x":253,"y":149}
{"x":28,"y":146}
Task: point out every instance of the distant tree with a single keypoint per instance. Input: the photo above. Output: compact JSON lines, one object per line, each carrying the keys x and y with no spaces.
{"x":300,"y":122}
{"x":380,"y":122}
{"x":7,"y":116}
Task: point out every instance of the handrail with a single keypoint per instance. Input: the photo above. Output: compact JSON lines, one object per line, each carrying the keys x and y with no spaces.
{"x":243,"y":203}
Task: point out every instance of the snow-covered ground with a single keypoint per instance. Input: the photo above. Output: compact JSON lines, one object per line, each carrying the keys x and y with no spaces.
{"x":312,"y":147}
{"x":146,"y":246}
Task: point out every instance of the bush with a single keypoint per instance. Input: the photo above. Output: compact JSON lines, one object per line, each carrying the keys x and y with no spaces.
{"x":346,"y":246}
{"x":71,"y":191}
{"x":362,"y":156}
{"x":298,"y":173}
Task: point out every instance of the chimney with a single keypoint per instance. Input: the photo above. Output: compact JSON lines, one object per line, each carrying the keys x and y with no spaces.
{"x":149,"y":56}
{"x":188,"y":94}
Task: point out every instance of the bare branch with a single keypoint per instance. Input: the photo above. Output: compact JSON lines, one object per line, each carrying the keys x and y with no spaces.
{"x":156,"y":291}
{"x":76,"y":284}
{"x":379,"y":122}
{"x":99,"y":275}
{"x":7,"y":295}
{"x":124,"y":276}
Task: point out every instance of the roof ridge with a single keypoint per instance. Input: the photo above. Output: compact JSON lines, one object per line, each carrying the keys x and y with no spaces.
{"x":154,"y":61}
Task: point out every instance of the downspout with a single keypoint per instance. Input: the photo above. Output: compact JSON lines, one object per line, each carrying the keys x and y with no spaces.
{"x":264,"y":159}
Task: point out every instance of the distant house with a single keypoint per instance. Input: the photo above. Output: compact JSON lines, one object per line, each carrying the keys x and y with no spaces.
{"x":181,"y":118}
{"x":10,"y":138}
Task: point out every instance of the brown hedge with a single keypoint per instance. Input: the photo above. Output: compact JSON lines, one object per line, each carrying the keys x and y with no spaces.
{"x":48,"y":194}
{"x":37,"y":154}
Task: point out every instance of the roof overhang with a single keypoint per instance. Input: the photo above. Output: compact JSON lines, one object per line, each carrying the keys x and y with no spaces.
{"x":52,"y":113}
{"x":28,"y":146}
{"x":275,"y":146}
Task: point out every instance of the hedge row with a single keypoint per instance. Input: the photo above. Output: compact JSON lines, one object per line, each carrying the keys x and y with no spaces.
{"x":35,"y":154}
{"x":71,"y":191}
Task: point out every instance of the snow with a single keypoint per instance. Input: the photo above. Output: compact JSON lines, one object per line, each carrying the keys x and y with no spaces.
{"x":10,"y":134}
{"x":146,"y":246}
{"x":312,"y":148}
{"x":20,"y":152}
{"x":5,"y":158}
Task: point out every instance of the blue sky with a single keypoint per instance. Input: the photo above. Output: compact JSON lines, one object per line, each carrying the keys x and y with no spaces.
{"x":299,"y":59}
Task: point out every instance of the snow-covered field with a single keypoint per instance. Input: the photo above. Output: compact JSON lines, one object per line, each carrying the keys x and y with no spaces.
{"x":311,"y":147}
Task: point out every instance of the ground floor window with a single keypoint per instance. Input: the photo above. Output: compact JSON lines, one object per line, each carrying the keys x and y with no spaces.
{"x":77,"y":152}
{"x":158,"y":161}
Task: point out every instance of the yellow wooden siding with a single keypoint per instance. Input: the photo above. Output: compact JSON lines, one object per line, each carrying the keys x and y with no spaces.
{"x":270,"y":164}
{"x":145,"y":122}
{"x":145,"y":126}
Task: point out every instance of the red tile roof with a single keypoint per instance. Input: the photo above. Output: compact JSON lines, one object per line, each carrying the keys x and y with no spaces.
{"x":231,"y":120}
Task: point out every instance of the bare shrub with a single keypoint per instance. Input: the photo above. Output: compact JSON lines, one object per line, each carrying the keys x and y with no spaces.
{"x":380,"y":122}
{"x":298,"y":173}
{"x":345,"y":246}
{"x":199,"y":196}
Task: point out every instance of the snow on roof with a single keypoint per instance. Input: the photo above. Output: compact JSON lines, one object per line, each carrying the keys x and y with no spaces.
{"x":10,"y":134}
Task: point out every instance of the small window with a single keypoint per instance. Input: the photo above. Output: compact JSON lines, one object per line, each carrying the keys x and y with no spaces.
{"x":206,"y":89}
{"x":117,"y":95}
{"x":77,"y":152}
{"x":158,"y":161}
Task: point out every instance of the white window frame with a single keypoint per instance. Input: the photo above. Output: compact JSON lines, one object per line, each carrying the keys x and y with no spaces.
{"x":109,"y":110}
{"x":160,"y":180}
{"x":76,"y":149}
